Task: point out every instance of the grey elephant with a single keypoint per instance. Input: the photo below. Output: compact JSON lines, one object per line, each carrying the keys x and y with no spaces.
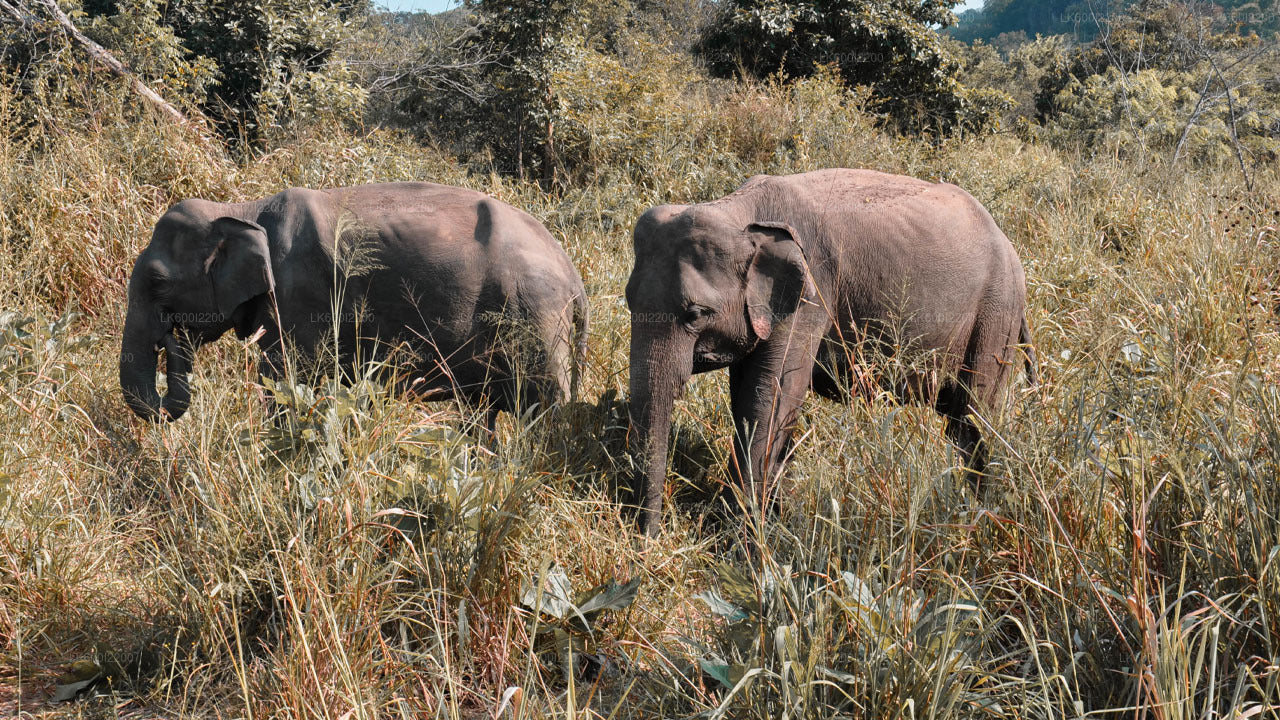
{"x":781,"y":280}
{"x":435,"y":281}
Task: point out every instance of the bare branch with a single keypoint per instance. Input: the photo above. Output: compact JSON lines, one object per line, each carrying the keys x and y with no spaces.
{"x":19,"y":15}
{"x":1231,"y":107}
{"x":437,"y":58}
{"x":28,"y":19}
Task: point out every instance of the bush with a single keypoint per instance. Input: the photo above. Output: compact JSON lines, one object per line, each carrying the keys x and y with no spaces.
{"x":250,"y":66}
{"x":1162,"y":80}
{"x":887,"y":45}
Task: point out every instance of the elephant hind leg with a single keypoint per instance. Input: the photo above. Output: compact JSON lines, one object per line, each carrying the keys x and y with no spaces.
{"x":963,"y":432}
{"x":558,"y":367}
{"x":978,"y":387}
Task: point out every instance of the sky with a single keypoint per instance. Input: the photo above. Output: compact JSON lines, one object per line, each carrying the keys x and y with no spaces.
{"x":440,"y":5}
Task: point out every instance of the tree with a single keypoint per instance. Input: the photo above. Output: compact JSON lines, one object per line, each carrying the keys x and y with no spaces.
{"x":498,"y":87}
{"x":247,"y":64}
{"x":1078,"y":18}
{"x":1161,"y":77}
{"x":1084,"y":18}
{"x":530,"y":36}
{"x":28,"y":19}
{"x":887,"y":45}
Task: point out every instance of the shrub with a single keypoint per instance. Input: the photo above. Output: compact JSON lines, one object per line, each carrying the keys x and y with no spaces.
{"x":887,"y":45}
{"x":250,"y":66}
{"x":1161,"y":78}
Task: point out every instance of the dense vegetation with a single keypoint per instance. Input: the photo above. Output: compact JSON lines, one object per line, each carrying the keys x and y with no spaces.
{"x":1022,"y":19}
{"x":360,"y":556}
{"x":889,"y":47}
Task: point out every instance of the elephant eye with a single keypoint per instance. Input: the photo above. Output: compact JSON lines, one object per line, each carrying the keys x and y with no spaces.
{"x":694,"y":315}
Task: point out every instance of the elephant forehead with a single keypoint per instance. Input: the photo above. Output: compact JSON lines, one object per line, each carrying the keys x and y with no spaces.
{"x":697,"y":286}
{"x":711,"y":238}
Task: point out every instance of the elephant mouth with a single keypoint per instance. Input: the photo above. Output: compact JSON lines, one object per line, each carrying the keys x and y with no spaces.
{"x":708,"y":361}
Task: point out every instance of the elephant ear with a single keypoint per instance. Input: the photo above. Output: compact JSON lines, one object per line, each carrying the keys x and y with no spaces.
{"x":240,"y":265}
{"x":777,"y":277}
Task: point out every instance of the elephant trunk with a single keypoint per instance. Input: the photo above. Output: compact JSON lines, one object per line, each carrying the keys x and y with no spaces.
{"x":177,"y":351}
{"x":660,"y":367}
{"x":142,"y":336}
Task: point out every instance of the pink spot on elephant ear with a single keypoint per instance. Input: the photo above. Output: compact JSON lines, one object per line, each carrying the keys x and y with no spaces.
{"x":760,"y":325}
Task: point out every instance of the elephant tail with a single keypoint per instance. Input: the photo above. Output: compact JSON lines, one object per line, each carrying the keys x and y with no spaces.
{"x":1024,"y":338}
{"x":580,"y":326}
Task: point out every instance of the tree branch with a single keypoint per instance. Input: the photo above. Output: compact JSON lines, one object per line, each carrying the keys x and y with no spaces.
{"x":29,"y":20}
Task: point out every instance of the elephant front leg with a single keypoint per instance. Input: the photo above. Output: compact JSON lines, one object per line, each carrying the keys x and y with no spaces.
{"x":271,"y":369}
{"x":767,"y":390}
{"x":271,"y":358}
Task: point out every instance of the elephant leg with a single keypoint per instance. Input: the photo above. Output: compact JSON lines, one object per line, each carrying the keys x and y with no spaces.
{"x":766,"y":391}
{"x":271,"y":370}
{"x":484,"y":402}
{"x":964,"y":433}
{"x":556,"y":383}
{"x":977,"y":387}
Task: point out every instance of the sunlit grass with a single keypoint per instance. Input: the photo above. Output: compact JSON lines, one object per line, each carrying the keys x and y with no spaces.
{"x":363,"y":556}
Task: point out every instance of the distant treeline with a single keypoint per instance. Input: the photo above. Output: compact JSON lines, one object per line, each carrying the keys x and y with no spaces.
{"x":1082,"y":18}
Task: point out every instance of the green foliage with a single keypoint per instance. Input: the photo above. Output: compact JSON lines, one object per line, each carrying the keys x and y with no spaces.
{"x":614,"y":117}
{"x":564,"y":625}
{"x":1163,"y":79}
{"x":887,"y":45}
{"x":556,"y":90}
{"x":1018,"y":76}
{"x":358,"y":554}
{"x":1085,"y":20}
{"x":789,"y":635}
{"x":34,"y":355}
{"x":251,"y":66}
{"x":533,"y":39}
{"x":493,"y":87}
{"x":137,"y":33}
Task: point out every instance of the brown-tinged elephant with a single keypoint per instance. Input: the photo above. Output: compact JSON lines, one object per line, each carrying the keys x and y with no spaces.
{"x":780,"y":281}
{"x":436,"y":280}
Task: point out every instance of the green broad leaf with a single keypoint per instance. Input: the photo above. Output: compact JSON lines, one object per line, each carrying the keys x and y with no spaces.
{"x":959,"y":615}
{"x":608,"y":596}
{"x":837,"y":675}
{"x":79,"y":677}
{"x":742,"y":635}
{"x":990,"y":705}
{"x":59,"y":326}
{"x":555,"y":596}
{"x":720,"y":671}
{"x":567,"y":648}
{"x":68,"y":691}
{"x":344,"y":405}
{"x":737,"y":586}
{"x":721,"y":607}
{"x":784,"y":642}
{"x":858,"y":588}
{"x":424,"y":443}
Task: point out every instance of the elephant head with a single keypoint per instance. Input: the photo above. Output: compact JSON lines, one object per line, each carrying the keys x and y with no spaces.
{"x":198,"y":278}
{"x":706,"y":289}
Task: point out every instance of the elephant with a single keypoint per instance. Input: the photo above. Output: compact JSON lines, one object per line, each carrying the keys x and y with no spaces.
{"x":432,"y":280}
{"x":780,"y":280}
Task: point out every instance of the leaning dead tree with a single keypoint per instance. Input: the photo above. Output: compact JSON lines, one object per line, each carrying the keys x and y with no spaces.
{"x":22,"y":13}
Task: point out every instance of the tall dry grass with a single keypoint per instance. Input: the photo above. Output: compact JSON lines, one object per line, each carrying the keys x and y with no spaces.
{"x":366,"y":557}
